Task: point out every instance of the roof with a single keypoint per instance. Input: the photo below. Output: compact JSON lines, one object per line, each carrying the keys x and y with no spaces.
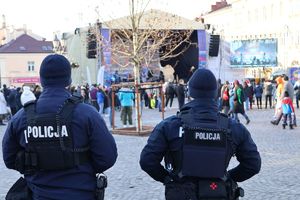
{"x":155,"y":19}
{"x":27,"y":44}
{"x":219,"y":5}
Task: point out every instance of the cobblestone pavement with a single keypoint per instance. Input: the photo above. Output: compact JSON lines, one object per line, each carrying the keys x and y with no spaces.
{"x":279,"y":178}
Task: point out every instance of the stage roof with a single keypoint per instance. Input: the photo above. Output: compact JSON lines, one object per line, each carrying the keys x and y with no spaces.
{"x":155,"y":19}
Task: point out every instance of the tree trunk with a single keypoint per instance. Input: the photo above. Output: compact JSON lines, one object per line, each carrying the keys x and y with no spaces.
{"x":136,"y":82}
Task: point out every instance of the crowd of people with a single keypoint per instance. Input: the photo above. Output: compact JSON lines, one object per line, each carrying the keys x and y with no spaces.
{"x":12,"y":99}
{"x":124,"y":98}
{"x":233,"y":98}
{"x":238,"y":97}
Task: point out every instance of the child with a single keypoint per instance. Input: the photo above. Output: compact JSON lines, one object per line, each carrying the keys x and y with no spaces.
{"x":287,"y":110}
{"x":153,"y":101}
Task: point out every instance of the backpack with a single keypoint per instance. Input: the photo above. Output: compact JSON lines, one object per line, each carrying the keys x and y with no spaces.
{"x":225,"y":95}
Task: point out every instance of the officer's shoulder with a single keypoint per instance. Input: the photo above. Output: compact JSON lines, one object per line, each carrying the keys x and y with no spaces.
{"x":29,"y":103}
{"x":75,"y":98}
{"x":170,"y":122}
{"x":18,"y":118}
{"x":85,"y":108}
{"x":238,"y":130}
{"x":233,"y":124}
{"x":171,"y":119}
{"x":80,"y":105}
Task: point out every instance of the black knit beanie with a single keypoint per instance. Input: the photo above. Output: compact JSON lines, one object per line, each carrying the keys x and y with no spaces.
{"x":203,"y":84}
{"x":55,"y":71}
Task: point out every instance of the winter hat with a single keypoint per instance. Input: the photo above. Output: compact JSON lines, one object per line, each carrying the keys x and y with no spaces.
{"x":27,"y":95}
{"x":203,"y":84}
{"x":55,"y":71}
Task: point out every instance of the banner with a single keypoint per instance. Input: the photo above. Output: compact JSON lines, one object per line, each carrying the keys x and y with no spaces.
{"x":294,"y":73}
{"x":106,"y":48}
{"x":104,"y":74}
{"x":254,"y":53}
{"x":202,"y":55}
{"x":26,"y":80}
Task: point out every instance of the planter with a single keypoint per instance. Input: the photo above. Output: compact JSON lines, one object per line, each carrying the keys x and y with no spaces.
{"x":146,"y":130}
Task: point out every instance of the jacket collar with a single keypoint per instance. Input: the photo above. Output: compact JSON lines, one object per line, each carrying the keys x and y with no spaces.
{"x":202,"y":105}
{"x":55,"y":92}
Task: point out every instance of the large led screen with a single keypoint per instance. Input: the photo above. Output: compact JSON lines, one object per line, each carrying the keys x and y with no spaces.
{"x":253,"y":53}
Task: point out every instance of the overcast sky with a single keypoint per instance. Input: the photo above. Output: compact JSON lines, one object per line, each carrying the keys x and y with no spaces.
{"x":46,"y":17}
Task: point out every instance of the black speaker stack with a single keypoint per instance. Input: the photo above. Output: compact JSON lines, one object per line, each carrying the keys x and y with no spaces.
{"x":214,"y":45}
{"x":91,"y":45}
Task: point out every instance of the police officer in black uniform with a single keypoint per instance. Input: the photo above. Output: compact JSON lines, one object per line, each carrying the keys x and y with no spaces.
{"x":197,"y":145}
{"x":58,"y":143}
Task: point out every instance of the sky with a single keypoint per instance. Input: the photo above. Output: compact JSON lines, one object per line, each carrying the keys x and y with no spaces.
{"x":46,"y":17}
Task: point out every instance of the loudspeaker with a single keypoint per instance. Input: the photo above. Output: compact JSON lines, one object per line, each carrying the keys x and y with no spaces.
{"x":91,"y":45}
{"x":214,"y":45}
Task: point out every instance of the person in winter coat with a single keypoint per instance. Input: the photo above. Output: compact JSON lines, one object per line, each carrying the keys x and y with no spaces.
{"x":85,"y":95}
{"x":268,"y":88}
{"x":153,"y":99}
{"x":5,"y":92}
{"x":126,"y":97}
{"x":287,"y":110}
{"x":170,"y":93}
{"x":27,"y":95}
{"x":66,"y":142}
{"x":258,"y":91}
{"x":180,"y":91}
{"x":248,"y":93}
{"x":182,"y":151}
{"x":239,"y":102}
{"x":18,"y":98}
{"x":3,"y":108}
{"x":231,"y":100}
{"x":12,"y":101}
{"x":93,"y":95}
{"x":107,"y":102}
{"x":288,"y":86}
{"x":251,"y":94}
{"x":297,"y":89}
{"x":279,"y":94}
{"x":225,"y":97}
{"x":100,"y":99}
{"x":37,"y":91}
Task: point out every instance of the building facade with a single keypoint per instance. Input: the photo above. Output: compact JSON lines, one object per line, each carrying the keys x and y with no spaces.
{"x":254,"y":20}
{"x":20,"y":60}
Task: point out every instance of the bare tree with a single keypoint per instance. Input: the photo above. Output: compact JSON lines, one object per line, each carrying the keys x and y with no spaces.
{"x":144,"y":38}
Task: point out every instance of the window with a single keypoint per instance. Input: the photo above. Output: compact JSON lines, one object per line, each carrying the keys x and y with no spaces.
{"x":22,"y":48}
{"x":30,"y":66}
